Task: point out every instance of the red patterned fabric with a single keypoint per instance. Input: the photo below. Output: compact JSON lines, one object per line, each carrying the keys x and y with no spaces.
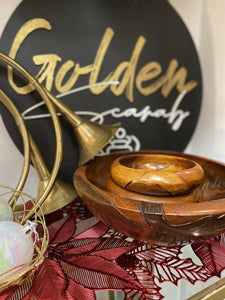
{"x":84,"y":256}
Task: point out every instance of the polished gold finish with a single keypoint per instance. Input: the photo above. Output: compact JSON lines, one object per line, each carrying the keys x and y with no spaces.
{"x":61,"y":194}
{"x":22,"y":128}
{"x":215,"y":291}
{"x":91,"y":136}
{"x":57,"y":127}
{"x":38,"y":160}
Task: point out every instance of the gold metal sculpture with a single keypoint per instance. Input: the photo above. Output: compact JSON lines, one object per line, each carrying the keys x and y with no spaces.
{"x":57,"y":128}
{"x":91,"y":137}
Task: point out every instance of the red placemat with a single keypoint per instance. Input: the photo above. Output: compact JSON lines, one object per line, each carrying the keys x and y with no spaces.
{"x":85,"y":256}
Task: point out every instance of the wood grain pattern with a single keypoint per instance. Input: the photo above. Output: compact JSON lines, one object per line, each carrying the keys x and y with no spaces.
{"x":156,"y":174}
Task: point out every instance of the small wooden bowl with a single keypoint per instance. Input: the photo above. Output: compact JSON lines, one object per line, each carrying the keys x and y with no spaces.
{"x":156,"y":174}
{"x":159,"y":220}
{"x":114,"y":188}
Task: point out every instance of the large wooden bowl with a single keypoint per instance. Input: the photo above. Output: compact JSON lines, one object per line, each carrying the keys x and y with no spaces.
{"x":180,"y":217}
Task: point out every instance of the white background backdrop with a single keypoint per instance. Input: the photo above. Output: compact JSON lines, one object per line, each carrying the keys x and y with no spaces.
{"x":206,"y":23}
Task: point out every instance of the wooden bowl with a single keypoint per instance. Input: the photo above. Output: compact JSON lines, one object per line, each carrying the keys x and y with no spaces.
{"x":156,"y":174}
{"x":168,"y":219}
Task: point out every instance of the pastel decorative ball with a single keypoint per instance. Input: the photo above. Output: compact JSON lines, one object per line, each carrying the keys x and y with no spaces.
{"x":16,"y":245}
{"x":6,"y":213}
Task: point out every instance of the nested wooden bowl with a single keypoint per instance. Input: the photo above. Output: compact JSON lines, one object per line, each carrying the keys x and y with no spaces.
{"x":156,"y":174}
{"x":160,"y":197}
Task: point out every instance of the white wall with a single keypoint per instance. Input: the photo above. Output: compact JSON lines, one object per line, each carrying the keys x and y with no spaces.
{"x":206,"y":22}
{"x":11,"y":160}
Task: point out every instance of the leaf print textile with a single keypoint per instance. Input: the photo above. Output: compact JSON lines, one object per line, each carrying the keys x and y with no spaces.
{"x":85,"y":256}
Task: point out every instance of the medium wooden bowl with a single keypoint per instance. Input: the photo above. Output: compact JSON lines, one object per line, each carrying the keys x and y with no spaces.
{"x":164,"y":220}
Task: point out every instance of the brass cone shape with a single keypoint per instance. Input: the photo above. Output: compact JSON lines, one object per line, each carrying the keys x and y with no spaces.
{"x":60,"y":195}
{"x":92,"y":137}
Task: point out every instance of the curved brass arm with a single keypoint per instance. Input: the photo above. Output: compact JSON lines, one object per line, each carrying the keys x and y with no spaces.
{"x":57,"y":127}
{"x":23,"y":130}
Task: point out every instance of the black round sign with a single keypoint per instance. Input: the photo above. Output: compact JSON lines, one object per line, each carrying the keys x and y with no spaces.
{"x":111,"y":61}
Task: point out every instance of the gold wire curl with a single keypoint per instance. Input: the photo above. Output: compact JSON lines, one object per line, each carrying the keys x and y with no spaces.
{"x":20,"y":274}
